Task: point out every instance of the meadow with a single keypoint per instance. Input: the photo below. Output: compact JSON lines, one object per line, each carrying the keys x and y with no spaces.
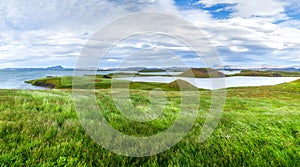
{"x":260,"y":126}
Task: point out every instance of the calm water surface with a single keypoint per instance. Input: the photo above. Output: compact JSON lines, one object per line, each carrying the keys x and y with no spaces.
{"x":14,"y":79}
{"x":218,"y":83}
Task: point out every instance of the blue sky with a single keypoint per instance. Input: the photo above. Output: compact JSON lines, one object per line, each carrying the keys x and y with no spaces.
{"x":245,"y":33}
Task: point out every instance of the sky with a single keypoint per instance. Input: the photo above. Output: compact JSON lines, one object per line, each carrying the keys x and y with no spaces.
{"x":244,"y":33}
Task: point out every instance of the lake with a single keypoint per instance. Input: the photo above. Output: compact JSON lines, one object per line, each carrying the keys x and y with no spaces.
{"x":14,"y":79}
{"x":207,"y":83}
{"x":229,"y":72}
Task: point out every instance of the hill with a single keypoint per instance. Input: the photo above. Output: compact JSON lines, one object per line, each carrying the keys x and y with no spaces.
{"x":268,"y":73}
{"x":202,"y":73}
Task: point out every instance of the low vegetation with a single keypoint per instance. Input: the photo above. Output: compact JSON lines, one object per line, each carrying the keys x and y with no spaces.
{"x":267,"y":73}
{"x":105,"y":82}
{"x":260,"y":127}
{"x":202,"y":73}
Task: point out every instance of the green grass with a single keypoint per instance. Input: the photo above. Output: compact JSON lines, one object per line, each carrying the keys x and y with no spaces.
{"x":100,"y":82}
{"x":260,"y":127}
{"x":268,"y":73}
{"x":202,"y":73}
{"x":53,"y":82}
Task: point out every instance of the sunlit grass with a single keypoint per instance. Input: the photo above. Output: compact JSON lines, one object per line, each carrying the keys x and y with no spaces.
{"x":260,"y":127}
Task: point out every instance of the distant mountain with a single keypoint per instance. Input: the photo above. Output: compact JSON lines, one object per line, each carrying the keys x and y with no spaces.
{"x":59,"y":67}
{"x":170,"y":69}
{"x":183,"y":69}
{"x":53,"y":68}
{"x":261,"y":68}
{"x":147,"y":69}
{"x":122,"y":69}
{"x":291,"y":69}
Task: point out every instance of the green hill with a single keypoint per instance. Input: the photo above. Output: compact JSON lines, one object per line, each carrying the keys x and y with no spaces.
{"x":202,"y":73}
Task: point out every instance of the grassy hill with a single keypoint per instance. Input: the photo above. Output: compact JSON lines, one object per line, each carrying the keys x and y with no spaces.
{"x":104,"y":82}
{"x":202,"y":73}
{"x":267,"y":73}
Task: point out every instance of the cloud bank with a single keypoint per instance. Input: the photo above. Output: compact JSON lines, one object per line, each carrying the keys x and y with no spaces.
{"x":246,"y":33}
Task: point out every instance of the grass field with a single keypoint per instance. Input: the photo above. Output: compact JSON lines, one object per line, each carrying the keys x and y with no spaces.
{"x":260,"y":126}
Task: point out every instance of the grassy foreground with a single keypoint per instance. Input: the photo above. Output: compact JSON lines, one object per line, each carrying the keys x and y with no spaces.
{"x":260,"y":126}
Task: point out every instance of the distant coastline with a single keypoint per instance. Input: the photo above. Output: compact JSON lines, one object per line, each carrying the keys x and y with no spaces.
{"x":157,"y":69}
{"x":54,"y":68}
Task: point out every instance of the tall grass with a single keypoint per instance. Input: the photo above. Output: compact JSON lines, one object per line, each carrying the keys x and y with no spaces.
{"x":260,"y":127}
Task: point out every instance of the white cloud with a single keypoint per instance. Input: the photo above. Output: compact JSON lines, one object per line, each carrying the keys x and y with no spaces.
{"x":238,"y":49}
{"x":36,"y":33}
{"x":33,"y":31}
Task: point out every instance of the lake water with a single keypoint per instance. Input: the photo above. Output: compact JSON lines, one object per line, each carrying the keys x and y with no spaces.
{"x":229,"y":72}
{"x":160,"y":73}
{"x":218,"y":83}
{"x":14,"y":79}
